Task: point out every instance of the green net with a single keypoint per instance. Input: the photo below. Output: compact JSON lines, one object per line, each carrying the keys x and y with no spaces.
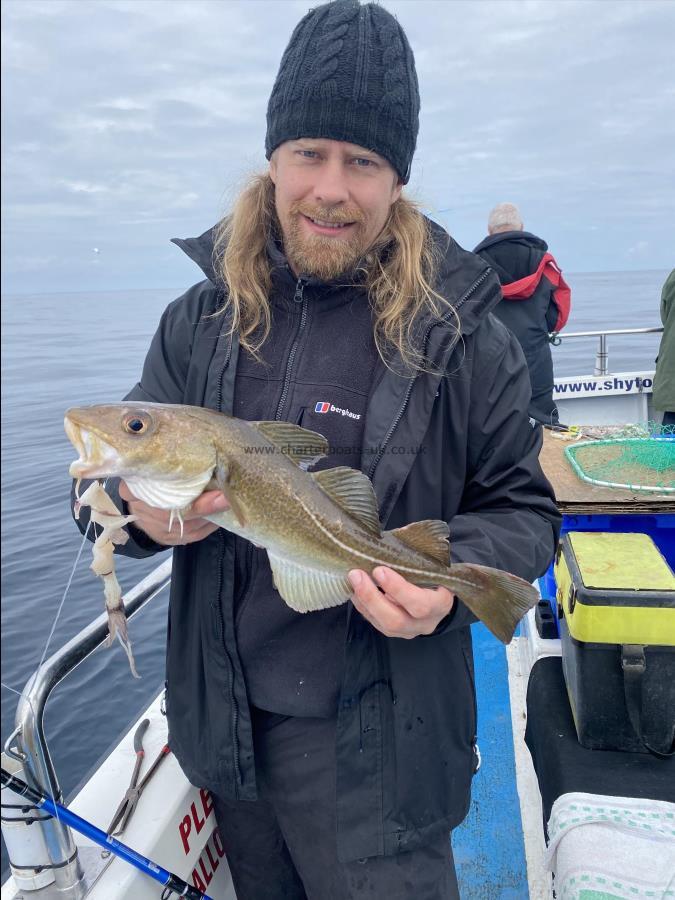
{"x":638,"y":457}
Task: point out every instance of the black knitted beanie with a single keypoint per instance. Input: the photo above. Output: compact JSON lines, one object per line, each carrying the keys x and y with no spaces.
{"x":348,"y":74}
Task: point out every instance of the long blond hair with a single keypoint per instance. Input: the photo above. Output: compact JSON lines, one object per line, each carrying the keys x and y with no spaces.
{"x":399,"y":273}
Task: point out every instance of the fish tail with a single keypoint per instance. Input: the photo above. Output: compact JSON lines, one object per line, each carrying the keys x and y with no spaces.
{"x":497,"y":598}
{"x":117,"y":626}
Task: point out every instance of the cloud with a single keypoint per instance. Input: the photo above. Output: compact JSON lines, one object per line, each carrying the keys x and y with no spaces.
{"x":101,"y":124}
{"x":37,"y":9}
{"x":21,"y":55}
{"x":144,"y":117}
{"x":84,"y":187}
{"x":122,"y":103}
{"x":639,"y":249}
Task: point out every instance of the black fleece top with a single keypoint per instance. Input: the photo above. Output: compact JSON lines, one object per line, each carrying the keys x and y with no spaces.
{"x":316,"y":370}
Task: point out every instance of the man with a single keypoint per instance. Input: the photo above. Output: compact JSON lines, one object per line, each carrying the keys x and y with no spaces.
{"x":664,"y":378}
{"x":536,"y":298}
{"x":339,"y":745}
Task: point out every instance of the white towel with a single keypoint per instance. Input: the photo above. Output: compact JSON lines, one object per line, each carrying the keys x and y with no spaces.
{"x":611,"y":848}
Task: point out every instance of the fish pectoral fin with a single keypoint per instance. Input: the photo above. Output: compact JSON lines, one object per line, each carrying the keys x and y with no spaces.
{"x":430,"y":537}
{"x":302,"y":446}
{"x":308,"y":590}
{"x":354,"y":493}
{"x":235,"y":505}
{"x":221,"y":480}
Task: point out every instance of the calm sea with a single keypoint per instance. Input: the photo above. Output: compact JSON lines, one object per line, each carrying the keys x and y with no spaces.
{"x":61,"y":350}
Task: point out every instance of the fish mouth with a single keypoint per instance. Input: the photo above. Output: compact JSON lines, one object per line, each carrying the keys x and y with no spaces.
{"x":96,"y":457}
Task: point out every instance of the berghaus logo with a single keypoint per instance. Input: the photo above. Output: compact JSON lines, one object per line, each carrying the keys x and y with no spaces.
{"x":323,"y":407}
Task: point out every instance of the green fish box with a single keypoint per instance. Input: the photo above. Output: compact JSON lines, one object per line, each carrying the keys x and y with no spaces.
{"x":615,"y":595}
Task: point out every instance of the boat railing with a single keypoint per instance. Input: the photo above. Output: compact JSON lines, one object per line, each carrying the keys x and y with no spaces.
{"x":601,"y":356}
{"x":27,"y":742}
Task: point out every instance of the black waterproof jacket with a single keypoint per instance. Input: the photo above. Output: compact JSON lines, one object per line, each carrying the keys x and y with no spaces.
{"x":407,"y":713}
{"x":514,"y":255}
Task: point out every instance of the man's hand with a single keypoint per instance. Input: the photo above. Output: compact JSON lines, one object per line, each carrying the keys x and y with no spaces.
{"x":403,"y":610}
{"x":155,"y":522}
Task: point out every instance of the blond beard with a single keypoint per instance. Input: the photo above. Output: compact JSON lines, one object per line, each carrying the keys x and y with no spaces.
{"x":323,"y":257}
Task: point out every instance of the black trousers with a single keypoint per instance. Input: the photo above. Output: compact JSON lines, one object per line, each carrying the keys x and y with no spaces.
{"x":284,"y":847}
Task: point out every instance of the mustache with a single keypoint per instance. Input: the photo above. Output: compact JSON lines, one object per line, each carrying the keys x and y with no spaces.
{"x":334,"y":215}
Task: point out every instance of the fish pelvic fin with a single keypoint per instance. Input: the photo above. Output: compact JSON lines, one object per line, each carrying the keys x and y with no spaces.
{"x":430,"y":537}
{"x":308,"y":590}
{"x":300,"y":445}
{"x":354,"y":493}
{"x":497,"y":598}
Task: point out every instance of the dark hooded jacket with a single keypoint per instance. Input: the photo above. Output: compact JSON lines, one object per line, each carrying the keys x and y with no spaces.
{"x":515,"y":255}
{"x":406,"y":725}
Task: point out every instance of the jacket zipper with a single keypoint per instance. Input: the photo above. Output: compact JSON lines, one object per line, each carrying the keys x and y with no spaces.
{"x":474,"y":287}
{"x":226,"y":363}
{"x":246,"y":584}
{"x":230,"y":671}
{"x":234,"y":721}
{"x":298,"y":297}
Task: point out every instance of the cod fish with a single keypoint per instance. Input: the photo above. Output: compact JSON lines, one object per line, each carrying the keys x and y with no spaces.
{"x":315,"y":526}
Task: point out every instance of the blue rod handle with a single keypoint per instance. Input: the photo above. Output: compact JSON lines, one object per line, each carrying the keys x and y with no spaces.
{"x":63,"y":814}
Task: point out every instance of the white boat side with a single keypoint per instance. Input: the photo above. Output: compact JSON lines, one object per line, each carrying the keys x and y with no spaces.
{"x":174,"y":824}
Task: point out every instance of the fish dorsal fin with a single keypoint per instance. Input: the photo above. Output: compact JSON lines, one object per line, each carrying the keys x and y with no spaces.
{"x":430,"y":537}
{"x":354,"y":493}
{"x":302,"y":446}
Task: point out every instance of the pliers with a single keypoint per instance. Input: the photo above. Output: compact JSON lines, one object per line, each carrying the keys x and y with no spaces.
{"x":133,"y":792}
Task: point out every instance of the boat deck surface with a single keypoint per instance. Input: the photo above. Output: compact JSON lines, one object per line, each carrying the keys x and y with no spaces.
{"x":499,"y":847}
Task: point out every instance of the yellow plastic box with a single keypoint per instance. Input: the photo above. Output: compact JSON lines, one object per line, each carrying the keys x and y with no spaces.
{"x":616,"y":605}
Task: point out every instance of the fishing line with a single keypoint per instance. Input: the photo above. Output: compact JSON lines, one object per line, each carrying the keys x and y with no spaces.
{"x":60,"y":813}
{"x":48,"y":789}
{"x":58,"y":615}
{"x":65,"y":594}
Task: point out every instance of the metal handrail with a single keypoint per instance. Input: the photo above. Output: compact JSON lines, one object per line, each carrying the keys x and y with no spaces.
{"x":31,"y":747}
{"x":573,"y":334}
{"x":601,"y":356}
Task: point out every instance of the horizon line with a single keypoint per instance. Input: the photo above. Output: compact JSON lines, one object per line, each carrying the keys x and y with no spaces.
{"x":99,"y":290}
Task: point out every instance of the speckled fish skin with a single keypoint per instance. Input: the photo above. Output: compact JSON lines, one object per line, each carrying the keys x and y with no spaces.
{"x":169,"y":454}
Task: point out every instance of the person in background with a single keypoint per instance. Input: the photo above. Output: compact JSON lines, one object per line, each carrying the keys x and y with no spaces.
{"x":339,"y":746}
{"x":536,"y":299}
{"x":663,"y":396}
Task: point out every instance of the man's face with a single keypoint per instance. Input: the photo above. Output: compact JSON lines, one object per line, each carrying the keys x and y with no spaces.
{"x":332,"y":200}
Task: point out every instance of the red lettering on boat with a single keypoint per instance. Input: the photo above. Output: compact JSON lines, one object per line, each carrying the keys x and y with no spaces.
{"x":208,"y":876}
{"x":207,"y":802}
{"x":214,"y":862}
{"x":185,"y":828}
{"x":199,"y":823}
{"x":218,"y":843}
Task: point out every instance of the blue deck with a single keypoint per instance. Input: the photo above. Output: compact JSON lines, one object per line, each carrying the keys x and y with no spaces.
{"x":488,"y":846}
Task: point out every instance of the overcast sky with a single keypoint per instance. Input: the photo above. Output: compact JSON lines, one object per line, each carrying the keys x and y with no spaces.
{"x":128,"y":122}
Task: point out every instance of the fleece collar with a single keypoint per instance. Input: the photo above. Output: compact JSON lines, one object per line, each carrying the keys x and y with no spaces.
{"x":464,"y":279}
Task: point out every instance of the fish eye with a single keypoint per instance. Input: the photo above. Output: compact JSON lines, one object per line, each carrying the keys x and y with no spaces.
{"x":135,"y":424}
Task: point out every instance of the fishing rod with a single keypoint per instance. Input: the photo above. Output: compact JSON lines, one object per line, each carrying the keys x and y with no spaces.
{"x":40,"y":799}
